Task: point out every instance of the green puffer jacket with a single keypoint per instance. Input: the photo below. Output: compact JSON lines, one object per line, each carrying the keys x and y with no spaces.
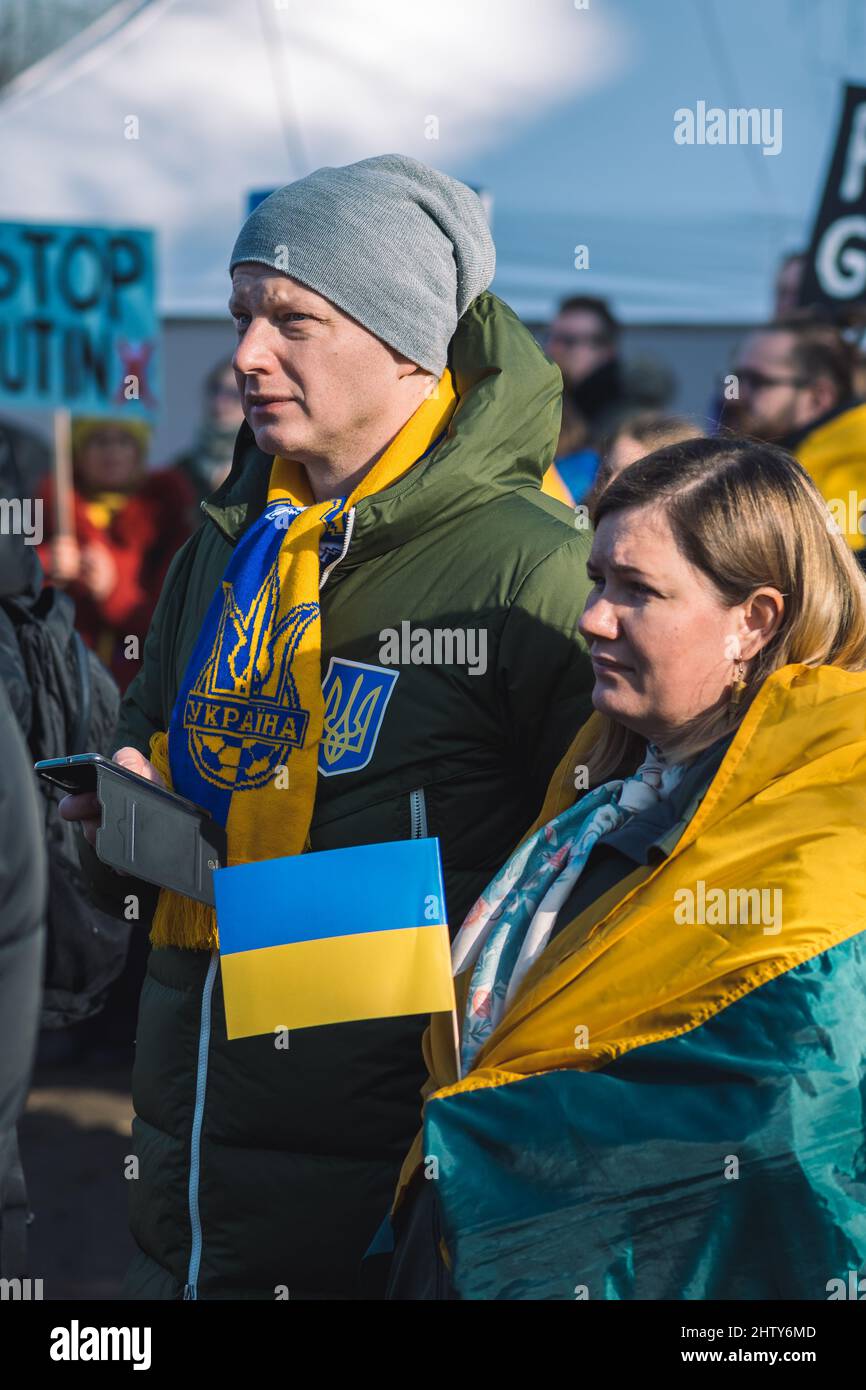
{"x":266,"y":1172}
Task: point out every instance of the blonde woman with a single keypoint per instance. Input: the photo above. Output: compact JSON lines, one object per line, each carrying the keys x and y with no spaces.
{"x":662,"y":995}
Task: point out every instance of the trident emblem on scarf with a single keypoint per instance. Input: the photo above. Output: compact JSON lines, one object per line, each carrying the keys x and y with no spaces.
{"x":243,"y":715}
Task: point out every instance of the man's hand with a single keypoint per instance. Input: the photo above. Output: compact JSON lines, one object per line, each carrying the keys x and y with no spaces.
{"x":84,"y":806}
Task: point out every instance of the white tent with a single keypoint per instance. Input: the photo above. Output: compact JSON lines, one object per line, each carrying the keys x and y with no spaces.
{"x":563,"y":110}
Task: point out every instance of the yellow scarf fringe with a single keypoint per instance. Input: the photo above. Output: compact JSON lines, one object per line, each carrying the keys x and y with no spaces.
{"x":178,"y":920}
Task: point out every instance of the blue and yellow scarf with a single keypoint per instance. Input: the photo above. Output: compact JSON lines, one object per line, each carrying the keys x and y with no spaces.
{"x":244,"y":735}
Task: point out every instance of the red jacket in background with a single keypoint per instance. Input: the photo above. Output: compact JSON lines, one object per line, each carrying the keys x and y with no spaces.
{"x":142,"y":538}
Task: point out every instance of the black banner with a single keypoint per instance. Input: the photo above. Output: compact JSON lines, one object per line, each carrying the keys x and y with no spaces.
{"x":836,"y":264}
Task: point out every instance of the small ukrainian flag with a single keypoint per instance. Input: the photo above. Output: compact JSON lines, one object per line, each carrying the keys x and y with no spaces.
{"x":333,"y":937}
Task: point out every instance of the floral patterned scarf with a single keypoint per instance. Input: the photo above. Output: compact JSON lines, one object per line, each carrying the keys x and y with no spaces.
{"x":512,"y":922}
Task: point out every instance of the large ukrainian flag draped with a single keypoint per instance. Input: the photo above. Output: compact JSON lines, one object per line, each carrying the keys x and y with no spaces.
{"x":676,"y":1110}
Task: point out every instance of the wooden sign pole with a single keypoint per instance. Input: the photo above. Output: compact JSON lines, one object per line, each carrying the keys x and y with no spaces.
{"x":63,"y":503}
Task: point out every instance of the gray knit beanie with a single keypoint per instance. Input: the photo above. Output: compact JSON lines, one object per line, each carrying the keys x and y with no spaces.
{"x":393,"y":243}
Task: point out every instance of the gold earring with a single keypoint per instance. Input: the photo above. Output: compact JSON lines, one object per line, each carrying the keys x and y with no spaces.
{"x":739,"y":684}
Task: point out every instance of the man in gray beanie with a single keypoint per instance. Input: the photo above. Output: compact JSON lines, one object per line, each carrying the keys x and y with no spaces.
{"x":394,"y":244}
{"x":400,"y":420}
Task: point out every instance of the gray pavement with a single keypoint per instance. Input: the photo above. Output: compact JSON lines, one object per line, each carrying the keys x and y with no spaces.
{"x":74,"y":1138}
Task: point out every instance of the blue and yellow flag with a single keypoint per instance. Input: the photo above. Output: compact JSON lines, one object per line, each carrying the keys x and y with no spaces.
{"x":334,"y":936}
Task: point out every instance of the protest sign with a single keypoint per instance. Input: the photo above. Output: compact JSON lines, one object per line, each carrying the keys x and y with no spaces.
{"x":836,"y":263}
{"x":78,"y":324}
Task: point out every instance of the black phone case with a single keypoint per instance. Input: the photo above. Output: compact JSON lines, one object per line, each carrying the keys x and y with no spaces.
{"x":155,"y":837}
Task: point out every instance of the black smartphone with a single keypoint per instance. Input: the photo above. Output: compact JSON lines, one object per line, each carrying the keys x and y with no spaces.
{"x":78,"y":774}
{"x":145,"y":830}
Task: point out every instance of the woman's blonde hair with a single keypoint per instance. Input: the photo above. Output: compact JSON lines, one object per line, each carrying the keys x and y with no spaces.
{"x":652,"y":428}
{"x":746,"y":515}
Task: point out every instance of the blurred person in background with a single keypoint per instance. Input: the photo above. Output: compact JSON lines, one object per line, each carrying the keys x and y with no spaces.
{"x":786,"y":305}
{"x":208,"y":463}
{"x":23,"y":890}
{"x":637,"y":436}
{"x":128,"y":524}
{"x":30,"y":451}
{"x":63,"y":701}
{"x":795,"y":388}
{"x":789,"y":278}
{"x":584,"y":342}
{"x":22,"y":933}
{"x":571,"y":475}
{"x":58,"y":953}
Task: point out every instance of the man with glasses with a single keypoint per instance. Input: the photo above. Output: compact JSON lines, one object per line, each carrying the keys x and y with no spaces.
{"x":794,"y":384}
{"x":583,"y":341}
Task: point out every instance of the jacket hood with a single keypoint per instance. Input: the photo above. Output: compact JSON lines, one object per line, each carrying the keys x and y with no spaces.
{"x":501,"y":438}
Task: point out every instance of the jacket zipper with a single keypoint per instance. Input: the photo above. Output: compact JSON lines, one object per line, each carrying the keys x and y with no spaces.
{"x":191,"y":1290}
{"x":418,"y":815}
{"x":326,"y":572}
